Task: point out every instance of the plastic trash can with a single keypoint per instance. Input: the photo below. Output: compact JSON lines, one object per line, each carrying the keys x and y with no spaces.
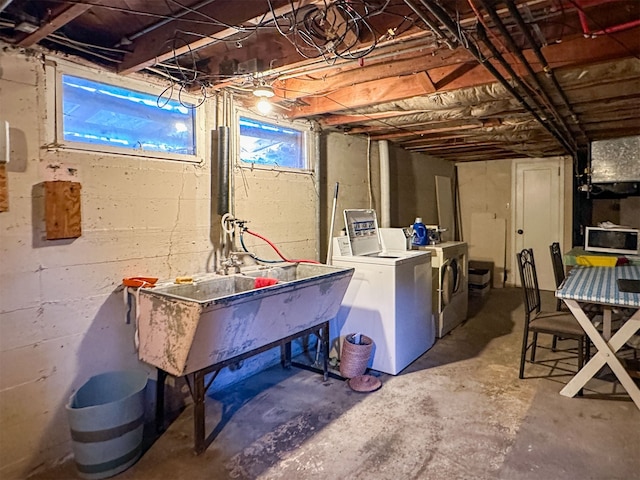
{"x":106,"y":418}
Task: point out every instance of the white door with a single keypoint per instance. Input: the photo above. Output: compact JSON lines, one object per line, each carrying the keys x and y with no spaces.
{"x":538,"y":211}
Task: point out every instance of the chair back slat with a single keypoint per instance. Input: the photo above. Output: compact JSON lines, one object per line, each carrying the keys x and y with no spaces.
{"x":529,"y":281}
{"x":556,"y":261}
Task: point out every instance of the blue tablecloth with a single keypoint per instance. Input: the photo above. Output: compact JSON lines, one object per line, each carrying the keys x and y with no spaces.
{"x":599,"y":285}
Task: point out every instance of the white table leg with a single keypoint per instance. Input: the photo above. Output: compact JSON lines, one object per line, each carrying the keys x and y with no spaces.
{"x":606,"y":322}
{"x":606,"y":354}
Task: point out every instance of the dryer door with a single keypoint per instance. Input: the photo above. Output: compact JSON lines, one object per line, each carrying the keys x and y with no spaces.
{"x":448,"y":282}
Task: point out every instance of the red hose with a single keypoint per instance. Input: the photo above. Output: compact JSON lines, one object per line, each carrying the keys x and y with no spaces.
{"x":276,"y":249}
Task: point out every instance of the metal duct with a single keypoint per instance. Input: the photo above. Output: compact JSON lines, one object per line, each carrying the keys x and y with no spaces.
{"x":223,"y":170}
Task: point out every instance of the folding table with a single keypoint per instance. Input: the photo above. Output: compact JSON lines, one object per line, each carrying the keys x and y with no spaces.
{"x":599,"y":285}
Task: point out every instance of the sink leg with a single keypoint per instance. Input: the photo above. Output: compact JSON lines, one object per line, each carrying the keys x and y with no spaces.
{"x":198,"y":411}
{"x":325,"y":351}
{"x":162,"y":376}
{"x":286,"y":355}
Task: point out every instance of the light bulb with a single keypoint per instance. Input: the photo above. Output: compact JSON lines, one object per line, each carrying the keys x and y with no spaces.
{"x":264,"y":106}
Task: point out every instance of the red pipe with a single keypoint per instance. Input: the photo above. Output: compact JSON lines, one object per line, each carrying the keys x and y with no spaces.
{"x":582,"y":4}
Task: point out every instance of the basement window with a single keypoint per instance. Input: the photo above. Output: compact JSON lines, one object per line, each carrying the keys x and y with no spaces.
{"x":269,"y":144}
{"x":102,"y":114}
{"x":123,"y":116}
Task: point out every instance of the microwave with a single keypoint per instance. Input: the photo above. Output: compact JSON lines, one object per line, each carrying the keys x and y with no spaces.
{"x":612,"y":240}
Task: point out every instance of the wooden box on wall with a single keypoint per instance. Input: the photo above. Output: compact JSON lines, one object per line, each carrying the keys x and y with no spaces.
{"x":62,"y":210}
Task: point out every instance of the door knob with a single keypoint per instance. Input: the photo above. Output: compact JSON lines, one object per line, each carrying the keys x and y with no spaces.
{"x":520,"y":231}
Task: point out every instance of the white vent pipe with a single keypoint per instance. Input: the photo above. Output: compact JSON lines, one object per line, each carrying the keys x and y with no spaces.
{"x":385,"y":184}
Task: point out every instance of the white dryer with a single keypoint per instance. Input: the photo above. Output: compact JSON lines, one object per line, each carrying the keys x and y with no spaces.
{"x":389,"y":297}
{"x":450,"y":296}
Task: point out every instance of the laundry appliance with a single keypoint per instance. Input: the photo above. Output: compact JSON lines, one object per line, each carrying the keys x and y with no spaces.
{"x":450,"y":271}
{"x":389,"y":297}
{"x":450,"y":267}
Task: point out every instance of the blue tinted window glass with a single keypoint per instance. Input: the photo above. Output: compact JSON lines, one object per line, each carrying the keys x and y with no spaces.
{"x":102,"y":114}
{"x":267,"y":144}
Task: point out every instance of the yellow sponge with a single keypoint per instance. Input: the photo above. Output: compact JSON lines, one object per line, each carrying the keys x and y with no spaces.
{"x":184,"y":280}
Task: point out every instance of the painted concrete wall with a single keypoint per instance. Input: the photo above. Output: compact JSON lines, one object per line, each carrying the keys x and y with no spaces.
{"x":280,"y":206}
{"x":413,"y":189}
{"x":412,"y":178}
{"x":61,"y":304}
{"x":486,"y":187}
{"x":346,"y":162}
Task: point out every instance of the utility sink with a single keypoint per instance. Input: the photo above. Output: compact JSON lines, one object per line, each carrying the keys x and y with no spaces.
{"x":184,"y":328}
{"x":207,"y":289}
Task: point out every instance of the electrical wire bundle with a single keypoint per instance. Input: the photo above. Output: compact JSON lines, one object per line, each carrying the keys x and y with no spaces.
{"x":334,"y":29}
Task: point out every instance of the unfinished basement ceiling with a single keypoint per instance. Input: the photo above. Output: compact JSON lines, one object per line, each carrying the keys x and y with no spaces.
{"x":459,"y":79}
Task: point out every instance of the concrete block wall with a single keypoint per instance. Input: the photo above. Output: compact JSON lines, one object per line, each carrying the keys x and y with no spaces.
{"x":413,"y":186}
{"x":62,"y":316}
{"x":280,"y":206}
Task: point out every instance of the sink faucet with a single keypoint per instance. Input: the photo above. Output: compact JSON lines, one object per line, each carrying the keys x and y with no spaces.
{"x":233,"y":261}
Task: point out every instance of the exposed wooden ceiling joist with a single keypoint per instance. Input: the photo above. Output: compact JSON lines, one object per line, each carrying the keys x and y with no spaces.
{"x":158,"y":46}
{"x":408,"y":88}
{"x":368,"y":93}
{"x":60,"y":16}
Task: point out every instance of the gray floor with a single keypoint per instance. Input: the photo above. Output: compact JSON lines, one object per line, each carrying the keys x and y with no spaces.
{"x":458,"y":412}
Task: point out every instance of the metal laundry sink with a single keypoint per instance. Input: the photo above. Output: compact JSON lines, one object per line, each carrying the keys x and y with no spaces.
{"x":184,"y":328}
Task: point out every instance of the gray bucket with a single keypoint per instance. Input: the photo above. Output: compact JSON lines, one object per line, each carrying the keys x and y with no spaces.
{"x":106,"y":417}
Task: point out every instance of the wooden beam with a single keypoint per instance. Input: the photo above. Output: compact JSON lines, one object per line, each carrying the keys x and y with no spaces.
{"x":409,"y":133}
{"x":456,"y":73}
{"x":157,"y":46}
{"x":366,"y":94}
{"x":59,"y":18}
{"x":390,"y":128}
{"x":403,"y":63}
{"x":571,"y":53}
{"x":338,"y":119}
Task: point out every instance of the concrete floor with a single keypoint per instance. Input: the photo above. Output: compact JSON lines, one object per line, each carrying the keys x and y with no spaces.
{"x":458,"y":412}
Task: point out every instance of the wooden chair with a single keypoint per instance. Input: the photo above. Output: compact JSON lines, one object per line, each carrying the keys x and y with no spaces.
{"x":558,"y":324}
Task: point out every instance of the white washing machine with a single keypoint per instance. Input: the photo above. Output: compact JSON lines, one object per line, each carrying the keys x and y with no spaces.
{"x":389,"y":297}
{"x":450,"y":296}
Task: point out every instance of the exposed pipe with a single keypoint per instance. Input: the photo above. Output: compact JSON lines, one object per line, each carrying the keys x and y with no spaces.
{"x":163,"y":22}
{"x":515,"y":13}
{"x":317,"y":173}
{"x":444,"y":18}
{"x":309,"y":68}
{"x":385,"y":184}
{"x":223,"y":170}
{"x":434,"y":27}
{"x":586,"y":30}
{"x":511,"y":44}
{"x":334,"y":206}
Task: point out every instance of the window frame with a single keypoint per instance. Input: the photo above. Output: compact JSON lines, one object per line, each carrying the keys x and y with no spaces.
{"x":55,"y":135}
{"x":308,"y":139}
